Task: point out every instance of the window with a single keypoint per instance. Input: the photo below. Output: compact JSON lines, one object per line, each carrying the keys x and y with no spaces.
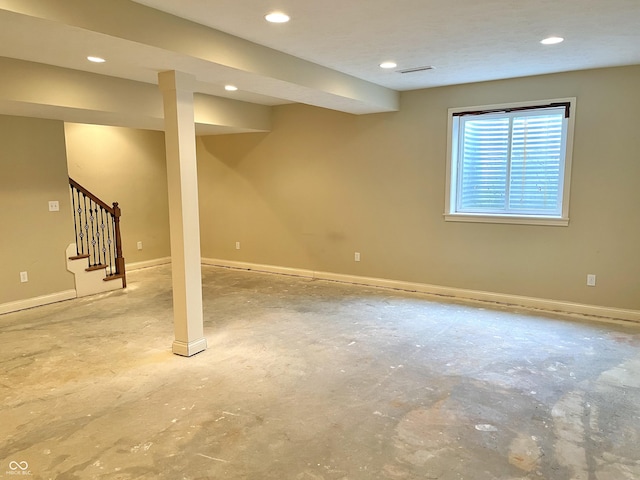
{"x":510,"y":163}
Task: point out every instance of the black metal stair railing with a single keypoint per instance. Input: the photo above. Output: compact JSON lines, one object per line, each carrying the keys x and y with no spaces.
{"x":97,"y":229}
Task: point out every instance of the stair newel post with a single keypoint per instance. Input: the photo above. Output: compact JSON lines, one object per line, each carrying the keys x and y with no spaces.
{"x":118,"y":239}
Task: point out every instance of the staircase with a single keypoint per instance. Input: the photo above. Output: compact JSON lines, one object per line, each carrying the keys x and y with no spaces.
{"x":96,"y":257}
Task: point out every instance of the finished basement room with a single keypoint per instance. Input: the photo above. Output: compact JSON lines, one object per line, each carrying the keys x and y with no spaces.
{"x":369,"y":240}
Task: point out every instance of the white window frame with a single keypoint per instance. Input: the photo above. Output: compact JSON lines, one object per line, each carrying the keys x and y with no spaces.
{"x":451,"y":215}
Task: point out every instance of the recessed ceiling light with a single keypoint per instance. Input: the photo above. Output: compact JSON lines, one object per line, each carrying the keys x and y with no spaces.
{"x":230,"y":88}
{"x":388,"y":65}
{"x":552,"y":40}
{"x":277,"y":17}
{"x":96,"y":59}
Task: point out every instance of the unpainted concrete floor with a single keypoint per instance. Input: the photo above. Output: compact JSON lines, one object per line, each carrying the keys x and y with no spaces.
{"x":313,"y":380}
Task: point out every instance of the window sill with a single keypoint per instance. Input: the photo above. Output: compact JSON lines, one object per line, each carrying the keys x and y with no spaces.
{"x":512,"y":219}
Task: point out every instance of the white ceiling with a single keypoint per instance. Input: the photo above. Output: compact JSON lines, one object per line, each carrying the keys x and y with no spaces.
{"x":465,"y":40}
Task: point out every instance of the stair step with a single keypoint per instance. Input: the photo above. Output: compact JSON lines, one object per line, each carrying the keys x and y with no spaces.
{"x":115,"y":276}
{"x":100,"y":266}
{"x":79,"y":257}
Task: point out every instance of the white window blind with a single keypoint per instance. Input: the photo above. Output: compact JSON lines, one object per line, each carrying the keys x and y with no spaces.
{"x":510,"y":161}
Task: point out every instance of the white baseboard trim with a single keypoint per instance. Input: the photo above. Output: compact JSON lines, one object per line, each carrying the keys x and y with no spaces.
{"x":296,"y":272}
{"x":476,"y":296}
{"x":37,"y":301}
{"x":147,"y":263}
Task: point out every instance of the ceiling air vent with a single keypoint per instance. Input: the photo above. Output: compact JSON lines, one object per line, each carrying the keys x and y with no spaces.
{"x":416,"y":69}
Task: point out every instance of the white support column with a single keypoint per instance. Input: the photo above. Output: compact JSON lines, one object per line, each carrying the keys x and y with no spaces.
{"x":182,"y":177}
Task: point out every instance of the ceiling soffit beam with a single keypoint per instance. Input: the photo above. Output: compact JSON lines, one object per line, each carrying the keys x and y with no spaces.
{"x":90,"y":98}
{"x":138,"y":23}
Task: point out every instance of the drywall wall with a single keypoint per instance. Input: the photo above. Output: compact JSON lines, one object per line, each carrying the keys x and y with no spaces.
{"x":127,"y":166}
{"x":323,"y":185}
{"x":33,"y":171}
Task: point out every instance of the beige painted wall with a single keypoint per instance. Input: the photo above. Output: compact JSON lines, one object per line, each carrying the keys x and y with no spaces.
{"x":127,"y":166}
{"x":33,"y":171}
{"x":323,"y":185}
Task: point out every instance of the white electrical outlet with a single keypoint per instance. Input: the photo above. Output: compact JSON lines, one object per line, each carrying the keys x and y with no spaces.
{"x":591,"y":280}
{"x":356,"y":257}
{"x":237,"y":245}
{"x":54,"y":206}
{"x":24,"y":277}
{"x":140,"y":245}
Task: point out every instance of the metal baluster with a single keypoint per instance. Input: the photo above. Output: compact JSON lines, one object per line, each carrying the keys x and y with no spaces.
{"x":105,"y":238}
{"x":79,"y":219}
{"x":113,"y":244}
{"x":83,"y":234}
{"x":113,"y":233}
{"x":103,"y":215}
{"x":99,"y":233}
{"x":75,"y":219}
{"x":86,"y":226}
{"x":96,"y":237}
{"x":109,"y":221}
{"x":93,"y":232}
